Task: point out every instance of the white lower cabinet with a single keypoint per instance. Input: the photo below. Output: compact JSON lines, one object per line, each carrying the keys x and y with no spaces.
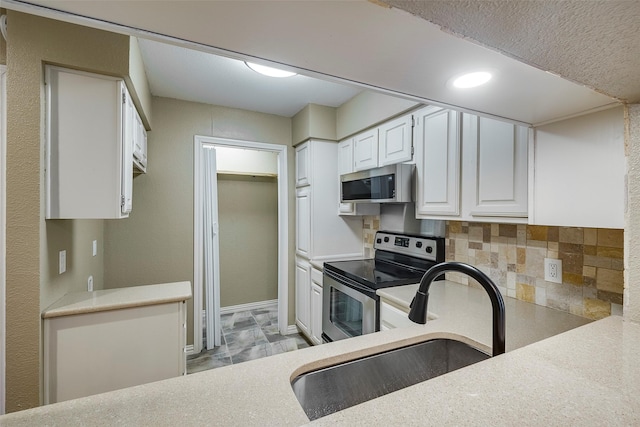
{"x":303,"y":298}
{"x":96,"y":352}
{"x":309,"y":300}
{"x":316,"y":306}
{"x":392,"y":317}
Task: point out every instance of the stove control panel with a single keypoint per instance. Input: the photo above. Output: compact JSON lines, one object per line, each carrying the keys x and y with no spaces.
{"x":416,"y":246}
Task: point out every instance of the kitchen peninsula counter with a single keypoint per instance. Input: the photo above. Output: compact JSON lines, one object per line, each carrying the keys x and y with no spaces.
{"x":116,"y":299}
{"x":586,"y":376}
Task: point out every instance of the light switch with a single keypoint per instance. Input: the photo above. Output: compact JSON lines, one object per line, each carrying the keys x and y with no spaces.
{"x":95,"y":248}
{"x":62,"y":262}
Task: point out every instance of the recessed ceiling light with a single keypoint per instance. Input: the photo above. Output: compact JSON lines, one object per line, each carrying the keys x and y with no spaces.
{"x":269,"y":71}
{"x":470,"y":80}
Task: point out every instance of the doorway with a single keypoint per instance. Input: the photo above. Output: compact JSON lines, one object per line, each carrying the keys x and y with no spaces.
{"x":211,"y":291}
{"x":3,"y":229}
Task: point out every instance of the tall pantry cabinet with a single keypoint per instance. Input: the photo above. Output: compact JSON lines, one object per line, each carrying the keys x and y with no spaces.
{"x":321,"y":234}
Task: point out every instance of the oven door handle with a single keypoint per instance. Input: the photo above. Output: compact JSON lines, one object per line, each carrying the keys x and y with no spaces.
{"x":345,"y":281}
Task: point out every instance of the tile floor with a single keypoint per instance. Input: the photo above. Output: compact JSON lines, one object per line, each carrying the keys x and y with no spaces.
{"x":246,"y":335}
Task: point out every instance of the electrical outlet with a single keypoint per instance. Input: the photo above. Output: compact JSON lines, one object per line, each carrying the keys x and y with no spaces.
{"x":62,"y":262}
{"x":90,"y":284}
{"x":553,"y":270}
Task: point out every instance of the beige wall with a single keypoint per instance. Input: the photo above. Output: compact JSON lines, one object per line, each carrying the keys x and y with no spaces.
{"x":314,"y":121}
{"x":632,"y":218}
{"x":30,"y":286}
{"x":156,"y":243}
{"x":138,"y":84}
{"x":367,"y":109}
{"x":248,"y":215}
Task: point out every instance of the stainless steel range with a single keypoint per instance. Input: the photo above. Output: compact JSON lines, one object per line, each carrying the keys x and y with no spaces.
{"x":350,"y":305}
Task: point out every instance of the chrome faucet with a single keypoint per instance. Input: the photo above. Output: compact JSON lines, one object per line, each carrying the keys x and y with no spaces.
{"x":418,"y":313}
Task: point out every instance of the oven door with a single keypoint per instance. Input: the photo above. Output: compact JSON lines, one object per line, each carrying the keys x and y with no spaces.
{"x":348,"y":309}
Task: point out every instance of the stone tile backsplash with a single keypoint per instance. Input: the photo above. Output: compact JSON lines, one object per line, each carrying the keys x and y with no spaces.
{"x":371,"y":224}
{"x":512,"y":255}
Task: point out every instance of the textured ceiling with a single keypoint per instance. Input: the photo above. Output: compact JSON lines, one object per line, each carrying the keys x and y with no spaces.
{"x":594,"y":43}
{"x":383,"y":48}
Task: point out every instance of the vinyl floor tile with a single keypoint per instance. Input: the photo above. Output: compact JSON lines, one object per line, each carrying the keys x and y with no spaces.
{"x":246,"y":335}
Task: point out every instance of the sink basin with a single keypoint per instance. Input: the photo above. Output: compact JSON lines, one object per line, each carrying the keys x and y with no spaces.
{"x":334,"y":388}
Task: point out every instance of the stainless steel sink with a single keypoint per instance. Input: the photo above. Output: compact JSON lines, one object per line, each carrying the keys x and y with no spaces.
{"x":335,"y":388}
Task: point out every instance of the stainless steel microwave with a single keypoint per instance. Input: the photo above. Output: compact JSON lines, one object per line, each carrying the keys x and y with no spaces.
{"x":387,"y":184}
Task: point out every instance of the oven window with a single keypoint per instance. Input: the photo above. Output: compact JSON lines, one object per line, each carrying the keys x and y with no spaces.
{"x":345,"y":313}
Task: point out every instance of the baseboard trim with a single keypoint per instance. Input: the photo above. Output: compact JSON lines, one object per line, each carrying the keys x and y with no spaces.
{"x":292,"y":329}
{"x":189,"y":349}
{"x":250,"y":306}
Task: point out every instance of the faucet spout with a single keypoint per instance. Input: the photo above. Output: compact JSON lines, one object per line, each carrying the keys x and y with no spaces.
{"x":418,"y":313}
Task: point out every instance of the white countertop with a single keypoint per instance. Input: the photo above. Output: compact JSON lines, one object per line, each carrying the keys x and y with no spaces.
{"x":113,"y":299}
{"x":589,"y":375}
{"x":526,"y":323}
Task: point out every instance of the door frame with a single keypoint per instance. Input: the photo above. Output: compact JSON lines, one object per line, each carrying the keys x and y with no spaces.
{"x":283,"y":228}
{"x":3,"y":232}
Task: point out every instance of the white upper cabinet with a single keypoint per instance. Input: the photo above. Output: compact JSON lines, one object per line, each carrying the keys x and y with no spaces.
{"x":345,"y":165}
{"x":365,"y":150}
{"x":437,"y":141}
{"x":395,"y":141}
{"x":470,"y":168}
{"x":140,"y":145}
{"x":345,"y":156}
{"x":302,"y":165}
{"x":495,"y":168}
{"x":89,"y":138}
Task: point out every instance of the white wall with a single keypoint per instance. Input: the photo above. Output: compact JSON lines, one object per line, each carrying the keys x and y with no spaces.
{"x":367,"y":109}
{"x":243,"y":161}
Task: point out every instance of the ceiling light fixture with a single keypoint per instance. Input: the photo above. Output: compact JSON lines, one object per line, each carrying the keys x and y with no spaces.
{"x":470,"y":80}
{"x":269,"y":71}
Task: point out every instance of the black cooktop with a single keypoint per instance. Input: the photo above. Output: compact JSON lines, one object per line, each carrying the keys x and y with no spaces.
{"x":378,"y":274}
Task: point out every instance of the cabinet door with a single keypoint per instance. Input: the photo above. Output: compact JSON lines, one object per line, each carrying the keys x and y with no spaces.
{"x":303,"y":222}
{"x":396,"y":142}
{"x":303,"y":164}
{"x":437,"y":142}
{"x":345,"y":165}
{"x":392,"y":317}
{"x":140,"y":145}
{"x":365,"y":150}
{"x":316,"y":311}
{"x":129,"y":130}
{"x":303,"y":286}
{"x":495,"y":167}
{"x":84,"y":157}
